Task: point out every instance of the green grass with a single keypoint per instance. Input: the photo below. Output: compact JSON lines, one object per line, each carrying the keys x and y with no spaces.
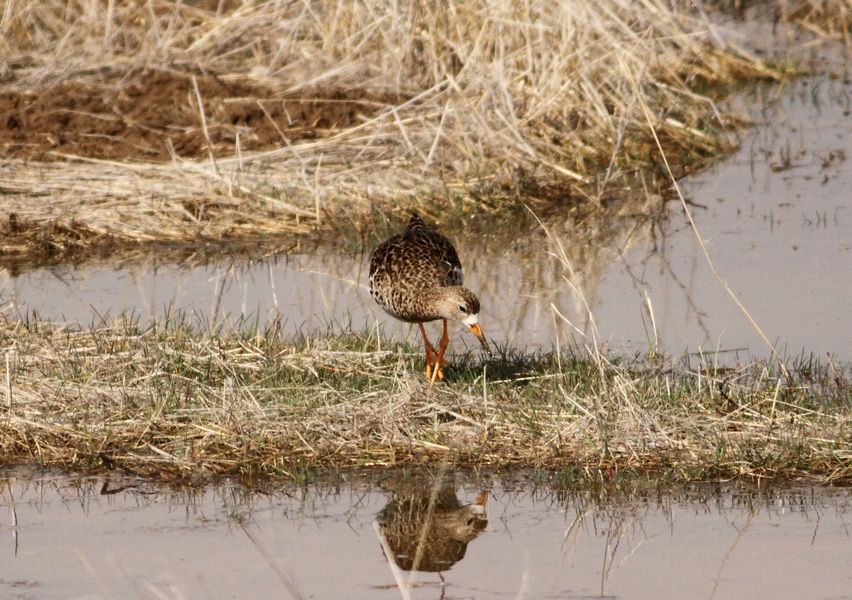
{"x":173,"y":402}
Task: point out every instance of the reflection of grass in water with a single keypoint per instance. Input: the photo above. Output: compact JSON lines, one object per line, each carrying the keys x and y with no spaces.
{"x":316,"y":498}
{"x":612,"y":511}
{"x":169,"y":401}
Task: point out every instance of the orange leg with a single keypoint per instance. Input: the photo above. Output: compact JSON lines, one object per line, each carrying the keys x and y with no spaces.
{"x":442,"y":347}
{"x":430,"y":351}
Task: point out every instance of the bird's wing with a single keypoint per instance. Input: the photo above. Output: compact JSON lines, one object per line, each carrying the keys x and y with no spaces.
{"x":453,"y":273}
{"x":441,"y":262}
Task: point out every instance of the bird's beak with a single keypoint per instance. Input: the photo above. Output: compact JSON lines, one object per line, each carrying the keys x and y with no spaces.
{"x":476,"y":330}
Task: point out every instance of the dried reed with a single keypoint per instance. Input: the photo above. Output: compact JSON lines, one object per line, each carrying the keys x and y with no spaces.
{"x":500,"y":102}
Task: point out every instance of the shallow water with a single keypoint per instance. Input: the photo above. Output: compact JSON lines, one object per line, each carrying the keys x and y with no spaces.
{"x":65,"y":537}
{"x":776,"y":218}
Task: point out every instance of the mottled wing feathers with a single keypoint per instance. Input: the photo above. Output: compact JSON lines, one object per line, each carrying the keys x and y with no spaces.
{"x":437,"y":250}
{"x":416,"y":259}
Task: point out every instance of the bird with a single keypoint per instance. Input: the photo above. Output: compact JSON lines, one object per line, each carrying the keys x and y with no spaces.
{"x":416,"y":276}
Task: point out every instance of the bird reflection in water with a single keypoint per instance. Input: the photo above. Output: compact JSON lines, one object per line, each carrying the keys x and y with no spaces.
{"x":430,"y":534}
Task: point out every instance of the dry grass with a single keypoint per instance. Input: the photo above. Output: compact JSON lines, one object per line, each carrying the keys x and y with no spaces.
{"x":503,"y":102}
{"x":172,"y":402}
{"x":830,"y":19}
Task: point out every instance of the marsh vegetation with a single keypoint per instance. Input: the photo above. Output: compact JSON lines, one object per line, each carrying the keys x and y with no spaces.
{"x":140,"y":122}
{"x":169,"y":401}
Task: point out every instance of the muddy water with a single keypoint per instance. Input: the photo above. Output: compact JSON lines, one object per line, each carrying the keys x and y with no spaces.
{"x":94,"y":538}
{"x":776,"y":219}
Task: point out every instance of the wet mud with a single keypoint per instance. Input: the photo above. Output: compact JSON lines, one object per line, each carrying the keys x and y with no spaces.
{"x":155,"y":116}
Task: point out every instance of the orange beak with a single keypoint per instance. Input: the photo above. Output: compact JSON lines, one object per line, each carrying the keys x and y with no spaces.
{"x":476,"y":330}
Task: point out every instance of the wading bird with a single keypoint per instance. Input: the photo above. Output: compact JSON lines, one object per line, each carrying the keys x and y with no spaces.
{"x":416,"y":277}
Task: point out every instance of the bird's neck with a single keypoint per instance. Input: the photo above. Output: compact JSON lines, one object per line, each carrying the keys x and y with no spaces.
{"x":433,"y":297}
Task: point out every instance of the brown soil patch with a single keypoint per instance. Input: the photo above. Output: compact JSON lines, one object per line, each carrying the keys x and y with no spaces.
{"x":151,"y":115}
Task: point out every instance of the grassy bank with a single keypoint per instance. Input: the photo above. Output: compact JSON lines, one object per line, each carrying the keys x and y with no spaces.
{"x":171,"y":402}
{"x":455,"y":108}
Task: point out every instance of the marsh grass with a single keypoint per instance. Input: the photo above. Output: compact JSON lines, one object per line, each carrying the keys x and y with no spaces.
{"x":499,"y":103}
{"x":170,"y":401}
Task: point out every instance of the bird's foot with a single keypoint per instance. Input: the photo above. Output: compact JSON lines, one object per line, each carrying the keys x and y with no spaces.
{"x":433,"y":375}
{"x":435,"y":370}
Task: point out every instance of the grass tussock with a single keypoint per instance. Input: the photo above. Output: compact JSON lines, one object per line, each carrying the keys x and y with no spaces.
{"x":172,"y":402}
{"x":478,"y":105}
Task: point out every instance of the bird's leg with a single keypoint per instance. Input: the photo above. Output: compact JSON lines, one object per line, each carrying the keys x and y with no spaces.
{"x":439,"y":359}
{"x":430,"y":351}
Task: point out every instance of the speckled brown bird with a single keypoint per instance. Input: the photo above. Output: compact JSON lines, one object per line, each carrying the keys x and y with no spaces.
{"x":416,"y":276}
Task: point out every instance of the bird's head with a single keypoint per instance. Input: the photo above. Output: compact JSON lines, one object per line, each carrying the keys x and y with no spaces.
{"x":460,"y":304}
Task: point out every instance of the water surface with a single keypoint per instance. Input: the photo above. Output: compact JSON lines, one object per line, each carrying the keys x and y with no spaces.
{"x":66,"y":537}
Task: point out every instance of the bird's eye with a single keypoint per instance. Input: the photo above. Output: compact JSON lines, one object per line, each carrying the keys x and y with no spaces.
{"x":462,"y":308}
